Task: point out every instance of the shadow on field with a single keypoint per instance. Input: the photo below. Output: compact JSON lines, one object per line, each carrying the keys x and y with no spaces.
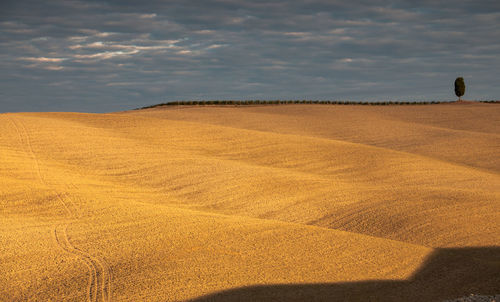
{"x":446,"y":274}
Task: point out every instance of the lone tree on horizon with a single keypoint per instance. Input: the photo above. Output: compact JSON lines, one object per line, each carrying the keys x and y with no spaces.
{"x":459,"y":87}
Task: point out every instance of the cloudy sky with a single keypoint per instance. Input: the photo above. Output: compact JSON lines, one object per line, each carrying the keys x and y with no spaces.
{"x":100,"y":56}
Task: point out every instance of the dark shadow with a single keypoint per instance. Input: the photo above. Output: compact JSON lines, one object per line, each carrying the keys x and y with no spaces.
{"x":446,"y":274}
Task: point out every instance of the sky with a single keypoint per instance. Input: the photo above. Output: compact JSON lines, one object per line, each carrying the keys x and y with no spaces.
{"x":105,"y":56}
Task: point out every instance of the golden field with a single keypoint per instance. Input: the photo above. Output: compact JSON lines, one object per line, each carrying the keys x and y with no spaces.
{"x":257,"y":203}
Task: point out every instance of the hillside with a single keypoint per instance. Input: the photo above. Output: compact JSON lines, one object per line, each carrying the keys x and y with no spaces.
{"x":251,"y":203}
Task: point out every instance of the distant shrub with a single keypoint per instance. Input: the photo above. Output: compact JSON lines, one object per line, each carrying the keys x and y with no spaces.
{"x":284,"y":102}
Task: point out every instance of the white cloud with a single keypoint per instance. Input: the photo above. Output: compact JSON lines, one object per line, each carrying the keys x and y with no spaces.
{"x":147,"y":16}
{"x":50,"y":67}
{"x":78,"y":38}
{"x":121,"y":84}
{"x":297,"y":34}
{"x":213,"y":46}
{"x":337,"y":31}
{"x":106,"y":55}
{"x":42,"y":59}
{"x":45,"y":66}
{"x":104,"y":34}
{"x":205,"y":32}
{"x":106,"y":45}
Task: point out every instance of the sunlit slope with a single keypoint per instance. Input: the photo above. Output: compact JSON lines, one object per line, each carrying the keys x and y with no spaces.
{"x":465,"y":134}
{"x":296,"y":178}
{"x":378,"y":182}
{"x":67,"y":235}
{"x":174,"y":204}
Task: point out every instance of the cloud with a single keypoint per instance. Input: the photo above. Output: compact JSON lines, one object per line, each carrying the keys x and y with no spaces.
{"x":128,"y":54}
{"x":129,"y":47}
{"x":345,"y":60}
{"x":106,"y":55}
{"x":42,"y":59}
{"x":214,"y":46}
{"x":147,"y":16}
{"x":52,"y":67}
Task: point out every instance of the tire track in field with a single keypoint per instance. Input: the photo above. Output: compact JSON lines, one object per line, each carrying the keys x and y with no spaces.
{"x":100,"y":277}
{"x":104,"y":273}
{"x":27,"y":142}
{"x":62,"y":240}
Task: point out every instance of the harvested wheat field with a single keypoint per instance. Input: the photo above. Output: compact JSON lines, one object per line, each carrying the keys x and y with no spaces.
{"x":257,"y":203}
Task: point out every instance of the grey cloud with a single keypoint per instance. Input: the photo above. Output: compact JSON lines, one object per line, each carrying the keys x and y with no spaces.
{"x":104,"y":56}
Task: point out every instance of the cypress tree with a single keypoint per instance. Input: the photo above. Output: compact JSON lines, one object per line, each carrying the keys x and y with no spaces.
{"x":459,"y":87}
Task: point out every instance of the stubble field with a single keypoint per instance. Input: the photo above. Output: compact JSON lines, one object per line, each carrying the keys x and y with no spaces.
{"x":258,"y":203}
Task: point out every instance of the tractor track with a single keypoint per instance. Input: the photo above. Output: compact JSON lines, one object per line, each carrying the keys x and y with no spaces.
{"x":99,"y":272}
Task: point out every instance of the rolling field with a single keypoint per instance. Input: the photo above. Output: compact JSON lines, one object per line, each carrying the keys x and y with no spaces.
{"x":257,"y":203}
